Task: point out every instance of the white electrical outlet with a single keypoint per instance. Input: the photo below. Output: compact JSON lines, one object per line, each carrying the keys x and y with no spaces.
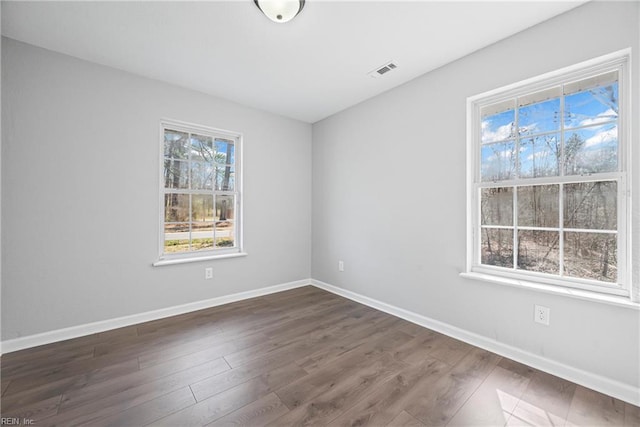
{"x":340,"y":265}
{"x":541,"y":314}
{"x":208,"y":273}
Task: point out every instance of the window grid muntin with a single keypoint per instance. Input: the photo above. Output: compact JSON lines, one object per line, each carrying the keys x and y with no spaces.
{"x":561,"y":229}
{"x":215,"y":135}
{"x":616,"y":65}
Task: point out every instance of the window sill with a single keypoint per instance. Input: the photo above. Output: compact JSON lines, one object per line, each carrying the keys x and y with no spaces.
{"x":555,"y":290}
{"x":174,"y":261}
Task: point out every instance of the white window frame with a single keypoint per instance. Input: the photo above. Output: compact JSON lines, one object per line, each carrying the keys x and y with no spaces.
{"x":216,"y":253}
{"x":619,"y":61}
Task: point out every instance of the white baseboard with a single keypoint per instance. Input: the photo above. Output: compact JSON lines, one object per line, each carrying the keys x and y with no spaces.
{"x":49,"y":337}
{"x":610,"y":387}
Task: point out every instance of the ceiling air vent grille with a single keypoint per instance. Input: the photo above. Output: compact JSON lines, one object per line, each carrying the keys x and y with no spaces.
{"x":383,"y":69}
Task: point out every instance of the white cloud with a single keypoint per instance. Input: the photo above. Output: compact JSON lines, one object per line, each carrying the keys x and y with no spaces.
{"x":503,"y":132}
{"x":503,"y":154}
{"x":602,"y":117}
{"x":528,"y":129}
{"x":602,"y":137}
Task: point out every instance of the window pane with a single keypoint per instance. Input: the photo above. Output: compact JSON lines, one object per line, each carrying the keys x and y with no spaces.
{"x":498,"y":161}
{"x":225,"y":152}
{"x":496,"y":206}
{"x":176,"y":174}
{"x":596,"y":105}
{"x":225,"y":178}
{"x":539,"y":156}
{"x":591,"y":150}
{"x":201,"y":236}
{"x":202,"y":207}
{"x":497,"y":247}
{"x":539,"y":117}
{"x":201,"y":148}
{"x":538,"y":251}
{"x":498,"y":127}
{"x":176,"y":238}
{"x":591,"y":256}
{"x":201,"y":175}
{"x":591,"y":205}
{"x":225,"y":208}
{"x":176,"y":207}
{"x":225,"y":234}
{"x":176,"y":144}
{"x":538,"y":206}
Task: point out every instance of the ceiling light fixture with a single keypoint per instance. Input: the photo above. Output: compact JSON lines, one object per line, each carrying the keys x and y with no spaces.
{"x":280,"y":10}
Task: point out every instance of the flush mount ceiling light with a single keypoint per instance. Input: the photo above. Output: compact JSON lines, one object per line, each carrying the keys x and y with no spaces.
{"x":280,"y":10}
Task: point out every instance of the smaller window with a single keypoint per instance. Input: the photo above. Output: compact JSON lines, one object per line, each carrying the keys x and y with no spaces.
{"x":200,"y":192}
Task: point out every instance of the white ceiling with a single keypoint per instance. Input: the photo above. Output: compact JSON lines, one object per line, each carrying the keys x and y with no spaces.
{"x":307,"y":69}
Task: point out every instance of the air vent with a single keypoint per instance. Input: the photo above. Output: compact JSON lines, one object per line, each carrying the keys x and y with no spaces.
{"x":383,"y":69}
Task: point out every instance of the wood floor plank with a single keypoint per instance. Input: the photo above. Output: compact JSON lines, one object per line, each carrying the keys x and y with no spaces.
{"x":312,"y":328}
{"x":258,"y":413}
{"x":215,"y":407}
{"x":214,"y":346}
{"x":494,"y":401}
{"x":85,"y":372}
{"x":50,"y":352}
{"x":437,"y":400}
{"x":297,"y":347}
{"x":410,"y":328}
{"x":388,"y":400}
{"x":322,"y":380}
{"x":480,"y":363}
{"x":420,"y":346}
{"x":631,"y":415}
{"x":283,"y":375}
{"x":343,"y":317}
{"x":150,"y":411}
{"x":325,"y":407}
{"x":43,"y":392}
{"x":181,"y":330}
{"x":81,"y":396}
{"x":225,"y":380}
{"x":200,"y":317}
{"x":35,"y":412}
{"x":129,"y":346}
{"x":3,"y":385}
{"x":450,"y":350}
{"x":241,"y":315}
{"x":45,"y":361}
{"x":404,"y":419}
{"x":275,"y":374}
{"x":546,"y":401}
{"x":33,"y":396}
{"x":101,"y":406}
{"x":356,"y":337}
{"x":590,"y":408}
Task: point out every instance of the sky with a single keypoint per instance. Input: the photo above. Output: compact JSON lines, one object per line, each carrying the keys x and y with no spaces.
{"x":591,"y":114}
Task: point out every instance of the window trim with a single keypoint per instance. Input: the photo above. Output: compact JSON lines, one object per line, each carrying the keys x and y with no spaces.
{"x":187,"y":257}
{"x":619,"y":61}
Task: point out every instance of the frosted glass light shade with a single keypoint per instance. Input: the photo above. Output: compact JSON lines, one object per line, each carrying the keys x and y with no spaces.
{"x":280,"y":10}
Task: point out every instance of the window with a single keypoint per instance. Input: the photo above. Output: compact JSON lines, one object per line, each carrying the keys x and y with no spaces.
{"x":548,"y":186}
{"x":200,"y":192}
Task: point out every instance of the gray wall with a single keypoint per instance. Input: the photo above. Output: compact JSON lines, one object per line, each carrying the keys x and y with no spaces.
{"x":389,"y":199}
{"x":80,"y":193}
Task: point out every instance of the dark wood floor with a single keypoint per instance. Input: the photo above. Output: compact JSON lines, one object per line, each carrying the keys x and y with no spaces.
{"x":303,"y":356}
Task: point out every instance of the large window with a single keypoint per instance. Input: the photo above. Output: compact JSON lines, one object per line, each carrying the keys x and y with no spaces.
{"x":548,"y":195}
{"x":200,"y":192}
